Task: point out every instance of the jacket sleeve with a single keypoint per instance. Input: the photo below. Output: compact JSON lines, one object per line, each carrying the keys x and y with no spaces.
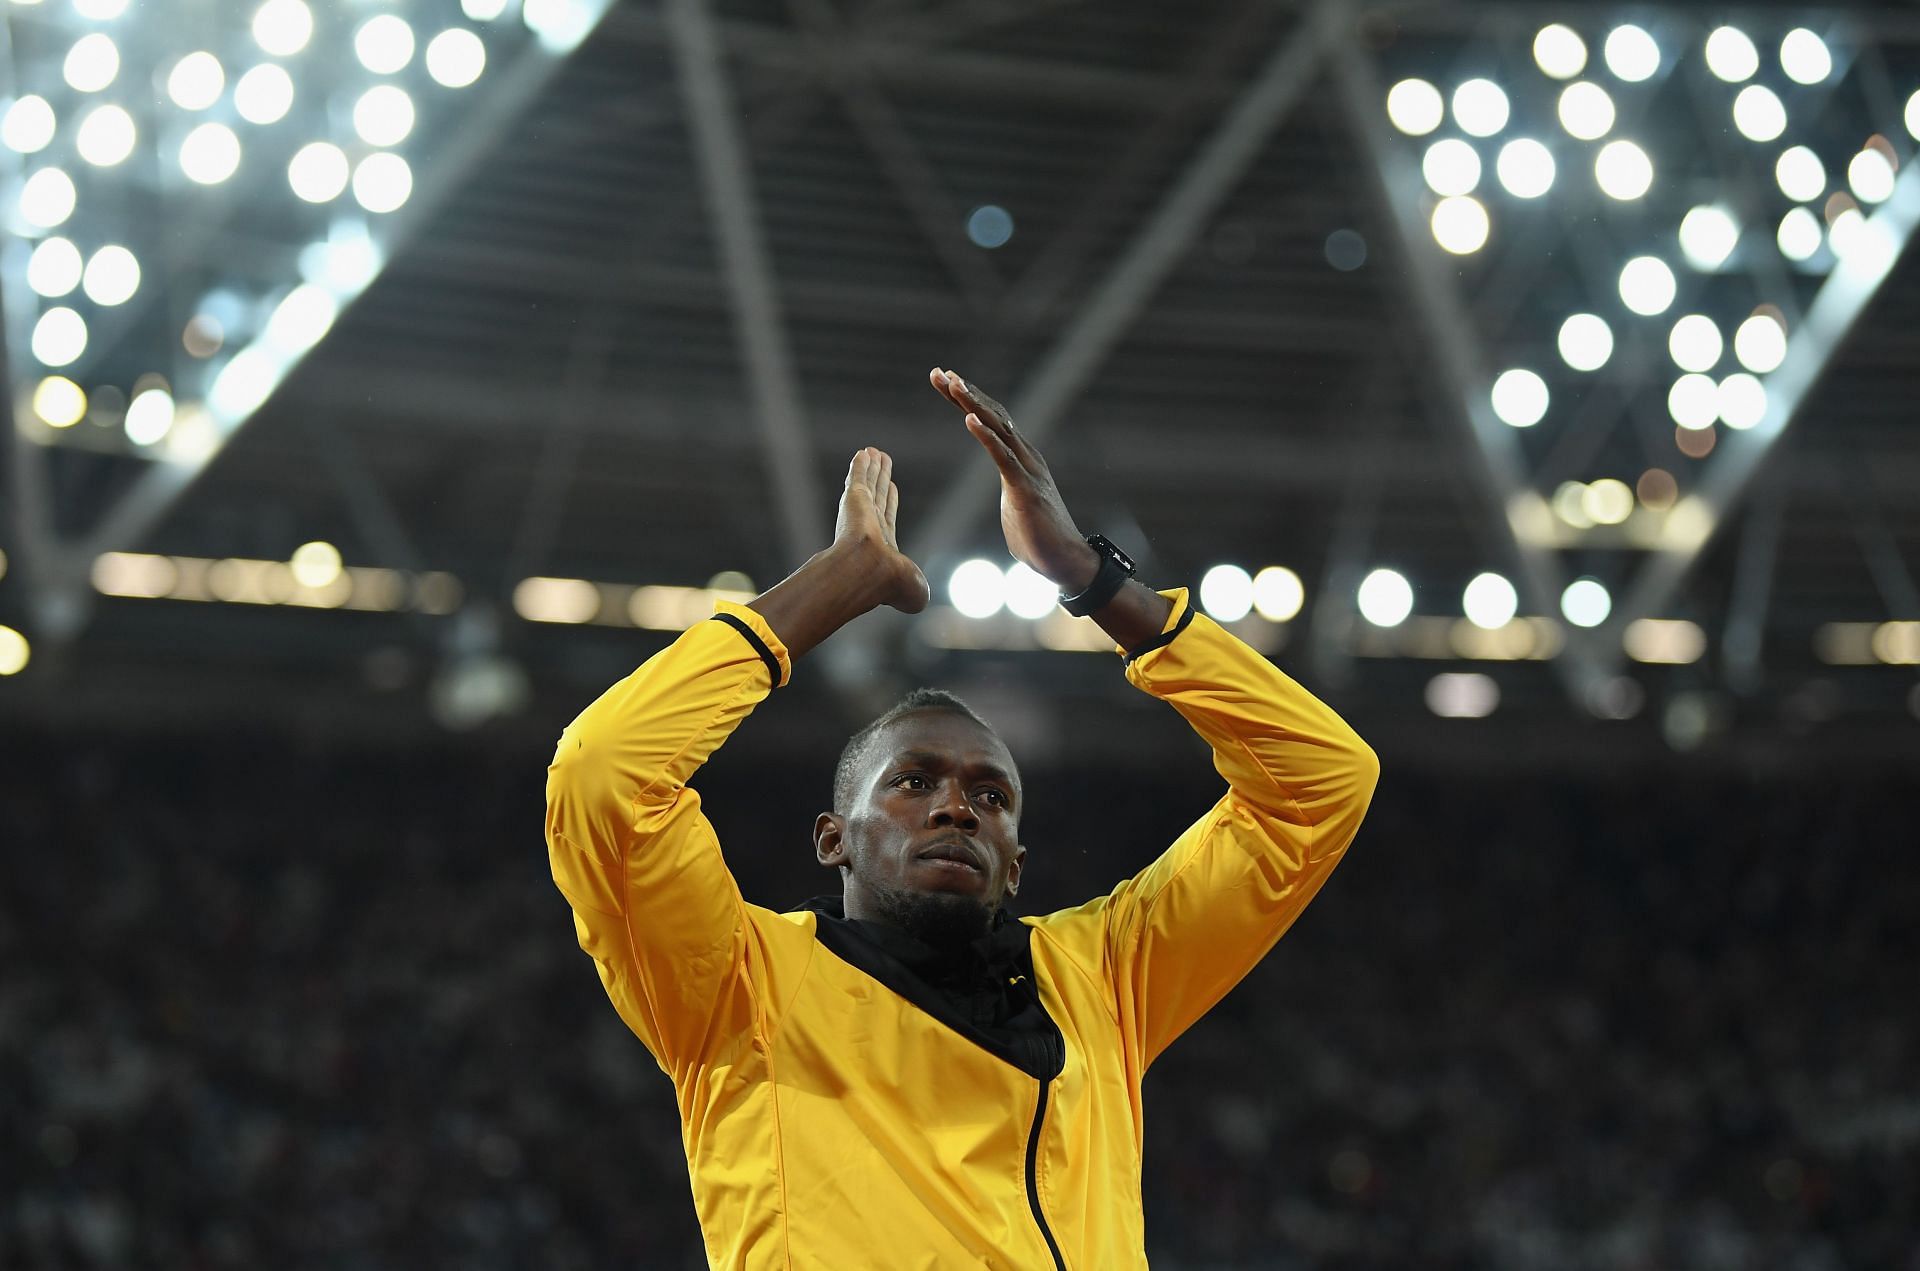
{"x":653,"y":902}
{"x":1186,"y":929}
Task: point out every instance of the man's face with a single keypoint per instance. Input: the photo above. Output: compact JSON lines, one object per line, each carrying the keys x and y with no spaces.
{"x":934,"y":821}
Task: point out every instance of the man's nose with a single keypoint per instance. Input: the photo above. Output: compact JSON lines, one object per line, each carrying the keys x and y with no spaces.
{"x":953,"y":807}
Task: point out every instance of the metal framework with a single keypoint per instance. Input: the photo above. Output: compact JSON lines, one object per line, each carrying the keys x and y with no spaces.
{"x":743,"y":85}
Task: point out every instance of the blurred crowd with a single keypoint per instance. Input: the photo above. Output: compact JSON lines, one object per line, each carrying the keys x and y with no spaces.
{"x":272,"y":1004}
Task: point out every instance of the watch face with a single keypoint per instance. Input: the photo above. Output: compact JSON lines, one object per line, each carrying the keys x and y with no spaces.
{"x":1102,"y":544}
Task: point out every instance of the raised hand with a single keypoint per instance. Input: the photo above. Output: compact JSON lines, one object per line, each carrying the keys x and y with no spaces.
{"x":1040,"y":531}
{"x":867,"y":529}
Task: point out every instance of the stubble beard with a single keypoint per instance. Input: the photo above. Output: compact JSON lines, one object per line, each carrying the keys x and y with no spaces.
{"x":942,"y":920}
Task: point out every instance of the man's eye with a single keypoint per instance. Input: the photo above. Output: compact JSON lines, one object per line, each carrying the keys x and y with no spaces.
{"x":995,"y":797}
{"x":913,"y":779}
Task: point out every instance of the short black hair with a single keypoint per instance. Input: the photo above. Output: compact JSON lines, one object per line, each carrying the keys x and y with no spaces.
{"x":853,"y":756}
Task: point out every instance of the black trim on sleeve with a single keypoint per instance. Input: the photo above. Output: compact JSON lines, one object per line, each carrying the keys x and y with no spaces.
{"x":759,"y":645}
{"x":1165,"y":638}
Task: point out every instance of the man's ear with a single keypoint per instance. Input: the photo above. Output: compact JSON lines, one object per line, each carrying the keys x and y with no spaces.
{"x":1013,"y":870}
{"x":829,"y":841}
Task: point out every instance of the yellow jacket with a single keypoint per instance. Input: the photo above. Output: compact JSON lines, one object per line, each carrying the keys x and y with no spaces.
{"x":832,"y":1117}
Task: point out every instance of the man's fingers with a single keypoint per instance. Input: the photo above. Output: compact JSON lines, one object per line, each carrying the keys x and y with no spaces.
{"x":995,"y":445}
{"x":892,"y":516}
{"x":857,"y":470}
{"x":975,"y":400}
{"x":882,"y":474}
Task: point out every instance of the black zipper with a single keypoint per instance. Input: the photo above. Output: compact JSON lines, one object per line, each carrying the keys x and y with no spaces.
{"x":1033,"y":1183}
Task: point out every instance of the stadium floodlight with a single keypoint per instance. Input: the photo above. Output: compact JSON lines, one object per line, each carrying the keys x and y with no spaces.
{"x":384,"y":115}
{"x":1559,"y":51}
{"x":455,"y":58}
{"x":1226,"y":593}
{"x":1623,"y":170}
{"x":1800,"y":235}
{"x":1870,"y":175}
{"x":1570,"y":504}
{"x":59,"y":402}
{"x":1490,"y":602}
{"x":1451,"y":167}
{"x":1758,"y":113}
{"x":1804,"y":57}
{"x":1585,"y":602}
{"x":1029,"y":594}
{"x":98,"y":10}
{"x":15,"y":651}
{"x":1385,"y":598}
{"x":1846,"y":232}
{"x":1760,"y":343}
{"x":92,"y":63}
{"x":112,"y":276}
{"x":47,"y":198}
{"x":1632,"y":54}
{"x":978,"y":588}
{"x":384,"y":44}
{"x":210,"y":154}
{"x":318,"y":564}
{"x":1586,"y":342}
{"x":1802,"y":177}
{"x":264,"y":94}
{"x":560,"y":24}
{"x":1526,"y":168}
{"x":1696,"y":343}
{"x":1731,"y":55}
{"x":282,"y":27}
{"x":1463,"y":695}
{"x":1278,"y":594}
{"x":1586,"y":111}
{"x":1742,"y":400}
{"x":53,"y":270}
{"x":1520,"y":398}
{"x":1460,"y":224}
{"x":1480,"y":107}
{"x":1913,"y":115}
{"x":483,"y":10}
{"x":1415,"y":107}
{"x":318,"y":172}
{"x":196,"y":81}
{"x":59,"y":337}
{"x":106,"y":136}
{"x":1708,"y":235}
{"x":149,"y":417}
{"x":1647,"y":286}
{"x":382,"y":182}
{"x":28,"y":126}
{"x":1694,"y":402}
{"x":1608,"y":501}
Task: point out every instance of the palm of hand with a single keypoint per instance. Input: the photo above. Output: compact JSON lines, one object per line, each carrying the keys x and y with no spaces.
{"x":868,"y":524}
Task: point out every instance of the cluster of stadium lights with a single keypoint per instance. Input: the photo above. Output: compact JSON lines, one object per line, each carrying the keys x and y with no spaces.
{"x":1623,"y":171}
{"x":980,"y":589}
{"x":212,"y":116}
{"x":315,"y":577}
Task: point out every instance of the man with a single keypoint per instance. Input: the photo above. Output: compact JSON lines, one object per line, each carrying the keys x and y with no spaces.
{"x":910,"y":1078}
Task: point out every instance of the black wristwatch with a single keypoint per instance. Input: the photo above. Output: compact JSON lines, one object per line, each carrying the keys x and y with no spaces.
{"x":1115,"y":568}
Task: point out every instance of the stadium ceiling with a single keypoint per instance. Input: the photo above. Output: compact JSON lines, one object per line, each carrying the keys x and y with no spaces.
{"x":649,"y":292}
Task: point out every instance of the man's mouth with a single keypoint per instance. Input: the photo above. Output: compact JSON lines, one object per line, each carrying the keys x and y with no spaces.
{"x":953,"y":852}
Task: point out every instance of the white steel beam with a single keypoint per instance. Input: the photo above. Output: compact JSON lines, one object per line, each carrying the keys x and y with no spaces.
{"x":727,"y":177}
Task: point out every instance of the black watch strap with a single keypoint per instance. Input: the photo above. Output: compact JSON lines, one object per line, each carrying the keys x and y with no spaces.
{"x":1115,"y":568}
